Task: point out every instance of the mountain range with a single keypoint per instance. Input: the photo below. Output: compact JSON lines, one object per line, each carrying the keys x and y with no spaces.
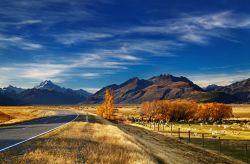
{"x":134,"y":90}
{"x":240,"y":89}
{"x":45,"y":93}
{"x":161,"y":87}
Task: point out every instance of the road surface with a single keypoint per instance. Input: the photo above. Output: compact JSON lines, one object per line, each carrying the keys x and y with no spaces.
{"x":14,"y":135}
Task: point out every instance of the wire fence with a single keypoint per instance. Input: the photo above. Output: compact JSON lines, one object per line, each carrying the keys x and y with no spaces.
{"x":239,"y":149}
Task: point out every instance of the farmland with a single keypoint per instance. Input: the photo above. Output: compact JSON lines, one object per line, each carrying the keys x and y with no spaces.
{"x":92,"y":138}
{"x":231,"y":138}
{"x":234,"y":137}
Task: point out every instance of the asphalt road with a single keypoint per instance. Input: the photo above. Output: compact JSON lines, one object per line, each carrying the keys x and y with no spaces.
{"x":14,"y":135}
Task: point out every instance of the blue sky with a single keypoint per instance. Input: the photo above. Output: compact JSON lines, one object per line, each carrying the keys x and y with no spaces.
{"x":93,"y":43}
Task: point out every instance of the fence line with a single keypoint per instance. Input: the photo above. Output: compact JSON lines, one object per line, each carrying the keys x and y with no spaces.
{"x":206,"y":140}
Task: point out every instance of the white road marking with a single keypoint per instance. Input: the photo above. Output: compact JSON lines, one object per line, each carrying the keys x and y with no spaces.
{"x":38,"y":134}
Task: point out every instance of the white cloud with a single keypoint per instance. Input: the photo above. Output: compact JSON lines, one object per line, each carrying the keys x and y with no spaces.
{"x":197,"y":28}
{"x":31,"y":46}
{"x":60,"y":69}
{"x":19,"y":42}
{"x":222,"y":79}
{"x":127,"y":57}
{"x":25,"y":11}
{"x":185,"y":29}
{"x":226,"y":19}
{"x":91,"y":90}
{"x":91,"y":75}
{"x":155,"y":47}
{"x":76,"y":37}
{"x":194,"y":38}
{"x":29,"y":22}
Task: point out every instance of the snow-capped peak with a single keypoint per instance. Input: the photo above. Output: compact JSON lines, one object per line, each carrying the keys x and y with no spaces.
{"x":48,"y":85}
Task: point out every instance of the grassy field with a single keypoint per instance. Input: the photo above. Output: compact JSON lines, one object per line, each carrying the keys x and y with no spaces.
{"x":12,"y":115}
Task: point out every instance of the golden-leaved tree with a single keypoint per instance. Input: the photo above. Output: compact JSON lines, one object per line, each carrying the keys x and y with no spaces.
{"x":106,"y":109}
{"x":176,"y":110}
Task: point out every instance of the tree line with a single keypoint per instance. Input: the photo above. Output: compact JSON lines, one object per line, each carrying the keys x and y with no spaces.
{"x":177,"y":110}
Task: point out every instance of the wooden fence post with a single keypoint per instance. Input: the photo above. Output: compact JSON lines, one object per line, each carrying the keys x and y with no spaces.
{"x":219,"y":148}
{"x":171,"y":128}
{"x":220,"y":144}
{"x":179,"y":133}
{"x":189,"y":139}
{"x":246,"y":154}
{"x":203,"y":140}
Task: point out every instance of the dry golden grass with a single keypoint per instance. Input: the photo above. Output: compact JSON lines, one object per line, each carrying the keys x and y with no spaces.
{"x":241,"y":111}
{"x":122,"y":112}
{"x":12,"y":115}
{"x":96,"y":141}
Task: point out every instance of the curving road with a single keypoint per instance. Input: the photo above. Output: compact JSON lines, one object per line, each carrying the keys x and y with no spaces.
{"x":14,"y":135}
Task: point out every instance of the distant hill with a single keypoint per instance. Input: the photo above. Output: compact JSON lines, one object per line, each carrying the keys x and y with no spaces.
{"x":240,"y":89}
{"x":160,"y":87}
{"x":212,"y":87}
{"x":6,"y":100}
{"x":46,"y":93}
{"x":48,"y":97}
{"x":12,"y":89}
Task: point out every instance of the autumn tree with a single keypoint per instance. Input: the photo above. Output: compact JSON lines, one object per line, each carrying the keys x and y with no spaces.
{"x":176,"y":110}
{"x":106,"y":109}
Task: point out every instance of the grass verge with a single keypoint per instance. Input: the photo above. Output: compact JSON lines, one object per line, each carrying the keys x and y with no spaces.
{"x":95,"y":141}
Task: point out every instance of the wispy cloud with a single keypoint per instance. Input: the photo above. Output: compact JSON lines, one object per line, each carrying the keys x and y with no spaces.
{"x":155,"y":47}
{"x":91,"y":75}
{"x":185,"y":29}
{"x":84,"y":65}
{"x":19,"y":42}
{"x":28,"y":22}
{"x":128,"y":57}
{"x":25,"y":11}
{"x":91,"y":90}
{"x":221,"y":79}
{"x":76,"y":37}
{"x":197,"y":28}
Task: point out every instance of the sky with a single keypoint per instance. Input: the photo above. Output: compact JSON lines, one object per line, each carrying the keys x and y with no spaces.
{"x":89,"y":44}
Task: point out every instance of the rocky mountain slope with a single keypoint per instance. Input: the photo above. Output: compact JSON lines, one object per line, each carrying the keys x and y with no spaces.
{"x":240,"y":89}
{"x":160,"y":87}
